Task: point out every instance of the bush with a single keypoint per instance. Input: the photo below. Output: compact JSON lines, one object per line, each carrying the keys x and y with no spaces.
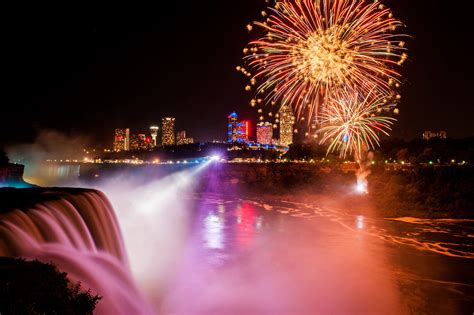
{"x":31,"y":287}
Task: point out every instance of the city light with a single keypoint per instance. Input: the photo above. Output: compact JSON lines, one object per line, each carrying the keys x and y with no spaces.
{"x":264,"y":133}
{"x":168,"y":137}
{"x":154,"y":135}
{"x":287,"y":122}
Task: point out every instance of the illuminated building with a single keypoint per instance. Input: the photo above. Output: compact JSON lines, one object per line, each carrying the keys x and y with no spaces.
{"x":140,"y":142}
{"x":232,"y":128}
{"x":181,"y":138}
{"x":237,"y":131}
{"x":243,"y":128}
{"x":264,"y":133}
{"x":134,"y":142}
{"x":167,"y":130}
{"x":122,"y":140}
{"x":287,"y":122}
{"x":427,"y":135}
{"x":154,"y":135}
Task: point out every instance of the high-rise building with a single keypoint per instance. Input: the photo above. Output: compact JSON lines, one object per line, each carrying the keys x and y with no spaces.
{"x":167,"y":130}
{"x":243,"y":131}
{"x":264,"y":133}
{"x":140,"y":142}
{"x":232,"y":128}
{"x":181,"y":138}
{"x":154,"y":135}
{"x":122,"y":140}
{"x":144,"y":142}
{"x":238,"y":131}
{"x":134,"y":142}
{"x":287,"y":123}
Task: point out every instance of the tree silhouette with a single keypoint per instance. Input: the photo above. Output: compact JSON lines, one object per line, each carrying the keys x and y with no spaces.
{"x":31,"y":287}
{"x":3,"y":157}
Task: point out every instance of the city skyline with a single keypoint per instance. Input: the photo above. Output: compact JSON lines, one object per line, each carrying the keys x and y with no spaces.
{"x":238,"y":132}
{"x":127,"y":139}
{"x":120,"y":70}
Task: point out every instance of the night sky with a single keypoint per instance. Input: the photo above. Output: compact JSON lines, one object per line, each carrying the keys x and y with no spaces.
{"x":85,"y":69}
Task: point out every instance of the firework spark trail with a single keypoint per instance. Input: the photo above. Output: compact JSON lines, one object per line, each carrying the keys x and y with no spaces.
{"x":313,"y":48}
{"x":353,"y":122}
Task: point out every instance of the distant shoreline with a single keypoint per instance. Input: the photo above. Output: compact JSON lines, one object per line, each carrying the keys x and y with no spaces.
{"x":422,"y":192}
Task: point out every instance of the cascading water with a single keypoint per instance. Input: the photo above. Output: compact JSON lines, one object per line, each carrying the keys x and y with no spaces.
{"x":76,"y":230}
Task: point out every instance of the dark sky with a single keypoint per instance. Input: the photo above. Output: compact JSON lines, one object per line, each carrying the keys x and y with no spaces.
{"x":86,"y":68}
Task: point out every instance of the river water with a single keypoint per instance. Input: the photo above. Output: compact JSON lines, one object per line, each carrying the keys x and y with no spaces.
{"x":203,"y":253}
{"x":257,"y":256}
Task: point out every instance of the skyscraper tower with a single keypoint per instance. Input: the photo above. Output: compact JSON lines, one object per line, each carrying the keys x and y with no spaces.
{"x":167,"y":129}
{"x":232,"y":127}
{"x":122,"y":140}
{"x":243,"y":130}
{"x":264,"y":133}
{"x":287,"y":122}
{"x":154,"y":135}
{"x":238,"y":131}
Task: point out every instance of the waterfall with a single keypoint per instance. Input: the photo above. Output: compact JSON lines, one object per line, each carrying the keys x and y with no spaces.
{"x":76,"y":230}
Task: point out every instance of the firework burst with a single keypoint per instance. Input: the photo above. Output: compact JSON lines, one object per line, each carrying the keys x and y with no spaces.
{"x":313,"y":48}
{"x":353,"y":122}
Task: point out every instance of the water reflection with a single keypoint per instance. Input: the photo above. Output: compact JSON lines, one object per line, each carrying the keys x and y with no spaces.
{"x":51,"y":173}
{"x":287,"y":258}
{"x":360,"y":222}
{"x":246,"y":227}
{"x":259,"y":222}
{"x":213,"y":231}
{"x":227,"y":230}
{"x":261,"y":260}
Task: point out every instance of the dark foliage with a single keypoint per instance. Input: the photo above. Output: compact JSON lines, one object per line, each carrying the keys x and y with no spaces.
{"x":37,"y":288}
{"x":306,"y":152}
{"x":422,"y":191}
{"x":431,"y":191}
{"x":3,"y":157}
{"x":440,"y":151}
